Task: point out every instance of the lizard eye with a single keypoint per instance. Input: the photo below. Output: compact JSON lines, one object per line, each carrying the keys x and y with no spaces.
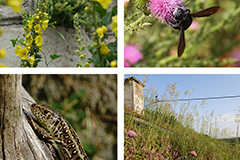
{"x":45,"y":111}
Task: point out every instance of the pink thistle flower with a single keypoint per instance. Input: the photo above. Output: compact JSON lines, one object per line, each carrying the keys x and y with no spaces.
{"x":131,"y":55}
{"x":163,"y":9}
{"x":194,"y":153}
{"x":131,"y":133}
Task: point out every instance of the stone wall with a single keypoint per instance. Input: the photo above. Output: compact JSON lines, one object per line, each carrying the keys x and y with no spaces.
{"x":133,"y":94}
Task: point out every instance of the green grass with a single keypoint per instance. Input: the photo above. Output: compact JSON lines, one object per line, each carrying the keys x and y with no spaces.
{"x":152,"y":143}
{"x":156,"y":139}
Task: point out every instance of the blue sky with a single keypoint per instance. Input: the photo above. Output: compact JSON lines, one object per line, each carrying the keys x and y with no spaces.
{"x":205,"y":85}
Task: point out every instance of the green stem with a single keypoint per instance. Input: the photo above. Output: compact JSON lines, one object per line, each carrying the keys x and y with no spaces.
{"x":45,"y":59}
{"x":95,"y":25}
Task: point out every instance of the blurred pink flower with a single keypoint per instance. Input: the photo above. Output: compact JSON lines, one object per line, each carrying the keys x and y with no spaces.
{"x":131,"y":55}
{"x":126,"y":2}
{"x":128,"y":107}
{"x":131,"y":133}
{"x":163,"y":9}
{"x":194,"y":153}
{"x":194,"y":26}
{"x":131,"y":148}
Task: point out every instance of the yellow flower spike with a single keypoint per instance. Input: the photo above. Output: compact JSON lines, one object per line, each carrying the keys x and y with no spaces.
{"x":2,"y":53}
{"x":16,"y":5}
{"x":113,"y":64}
{"x":45,"y":24}
{"x":104,"y":48}
{"x":104,"y":29}
{"x":31,"y":60}
{"x":100,"y":32}
{"x":37,"y":28}
{"x":104,"y":3}
{"x":114,"y":25}
{"x":38,"y":41}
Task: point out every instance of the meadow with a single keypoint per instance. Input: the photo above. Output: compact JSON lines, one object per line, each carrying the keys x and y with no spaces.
{"x":160,"y":132}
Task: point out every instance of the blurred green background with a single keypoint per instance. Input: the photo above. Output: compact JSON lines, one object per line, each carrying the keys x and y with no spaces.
{"x":87,"y":102}
{"x":213,"y":42}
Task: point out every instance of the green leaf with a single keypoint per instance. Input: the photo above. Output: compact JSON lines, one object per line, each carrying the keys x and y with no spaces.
{"x":101,"y":11}
{"x":13,"y":42}
{"x":114,"y":11}
{"x":38,"y":56}
{"x":62,"y":36}
{"x":107,"y":19}
{"x":21,"y":41}
{"x":55,"y":56}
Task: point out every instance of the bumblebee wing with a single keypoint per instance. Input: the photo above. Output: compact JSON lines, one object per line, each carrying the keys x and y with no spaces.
{"x":181,"y":43}
{"x":206,"y":12}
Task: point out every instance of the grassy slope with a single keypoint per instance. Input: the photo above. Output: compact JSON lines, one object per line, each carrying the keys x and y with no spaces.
{"x":153,"y":143}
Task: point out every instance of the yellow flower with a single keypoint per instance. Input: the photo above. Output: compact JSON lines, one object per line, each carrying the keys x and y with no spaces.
{"x":38,"y":41}
{"x":31,"y":60}
{"x":40,"y":34}
{"x":45,"y":14}
{"x":87,"y":64}
{"x":18,"y":49}
{"x":86,"y":9}
{"x":3,"y":65}
{"x":104,"y":3}
{"x":37,"y":17}
{"x":22,"y":53}
{"x":45,"y":24}
{"x":29,"y":39}
{"x":104,"y":29}
{"x":2,"y":53}
{"x":37,"y":28}
{"x":100,"y":32}
{"x":113,"y":64}
{"x":16,"y":5}
{"x":104,"y":48}
{"x":114,"y":25}
{"x":30,"y":24}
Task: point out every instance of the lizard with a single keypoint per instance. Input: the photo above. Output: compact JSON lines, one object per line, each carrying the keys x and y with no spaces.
{"x":51,"y":126}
